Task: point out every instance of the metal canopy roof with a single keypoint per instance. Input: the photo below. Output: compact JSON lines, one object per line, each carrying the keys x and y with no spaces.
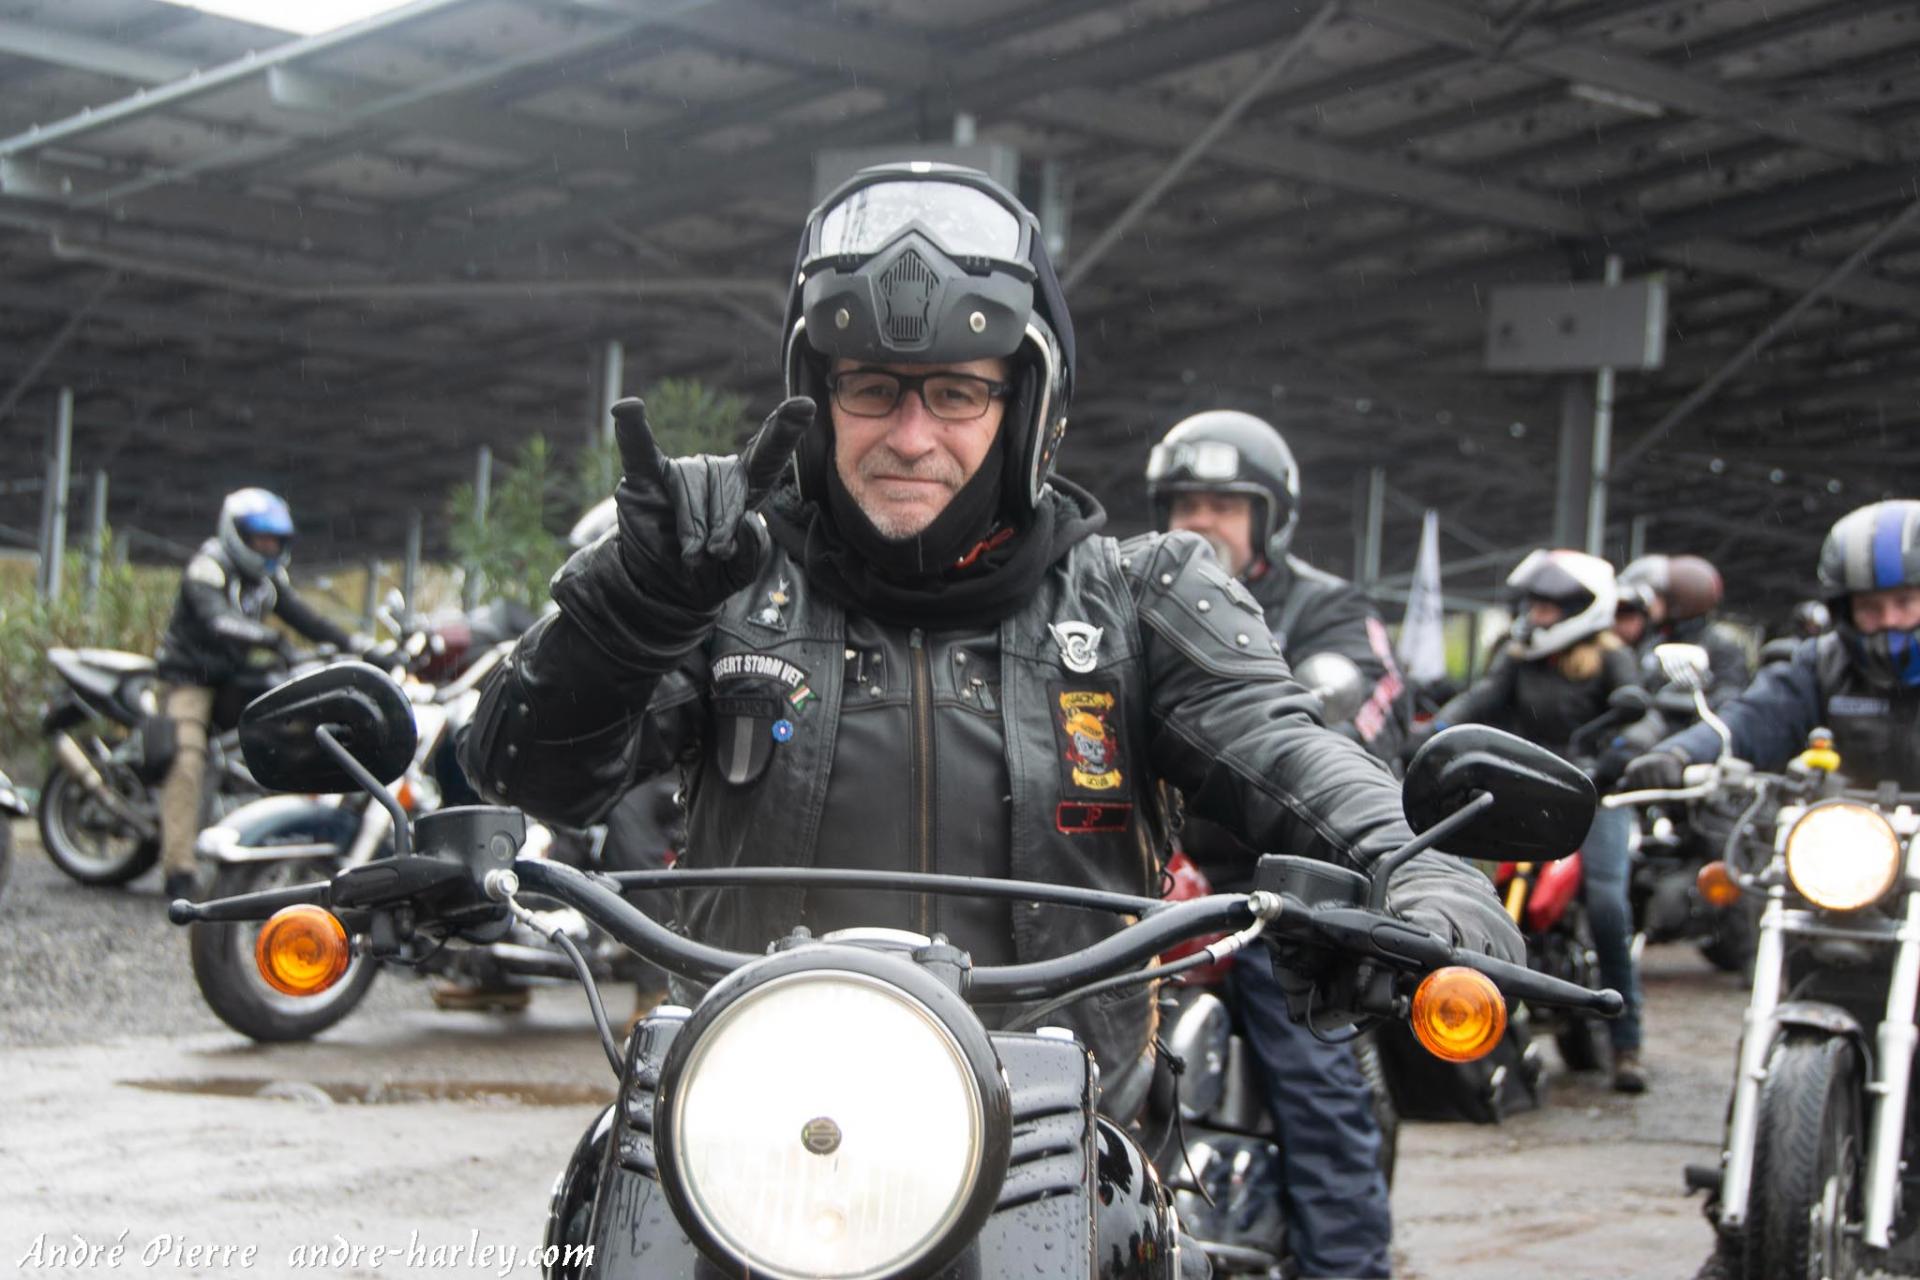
{"x":340,"y":263}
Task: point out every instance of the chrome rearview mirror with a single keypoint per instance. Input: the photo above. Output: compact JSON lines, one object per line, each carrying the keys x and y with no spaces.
{"x":1686,"y":665}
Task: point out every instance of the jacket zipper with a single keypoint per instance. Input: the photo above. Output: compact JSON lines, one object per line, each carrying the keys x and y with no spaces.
{"x":920,"y":768}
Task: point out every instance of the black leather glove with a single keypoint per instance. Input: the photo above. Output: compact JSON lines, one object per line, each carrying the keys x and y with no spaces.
{"x":1655,"y":771}
{"x":688,"y":539}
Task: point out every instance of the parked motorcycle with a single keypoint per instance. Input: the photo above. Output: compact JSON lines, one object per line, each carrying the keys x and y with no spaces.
{"x":281,"y":840}
{"x":100,"y":805}
{"x":11,"y":807}
{"x":834,"y":1107}
{"x":1813,"y":1177}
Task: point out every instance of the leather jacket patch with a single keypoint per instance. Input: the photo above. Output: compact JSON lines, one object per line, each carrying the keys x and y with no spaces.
{"x":1090,"y":755}
{"x":1077,"y":818}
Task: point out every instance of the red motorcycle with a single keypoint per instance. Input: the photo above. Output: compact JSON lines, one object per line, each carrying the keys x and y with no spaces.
{"x":1545,"y":900}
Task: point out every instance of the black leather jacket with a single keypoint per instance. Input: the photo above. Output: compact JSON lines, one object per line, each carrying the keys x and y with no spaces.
{"x":1311,"y":614}
{"x":810,"y":736}
{"x":219,"y":617}
{"x":1729,"y":670}
{"x":1535,"y":700}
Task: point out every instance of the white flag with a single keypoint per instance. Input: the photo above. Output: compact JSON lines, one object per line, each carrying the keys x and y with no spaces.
{"x":1423,"y":641}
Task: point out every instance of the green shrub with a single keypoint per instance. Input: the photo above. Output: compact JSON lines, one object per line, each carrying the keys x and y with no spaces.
{"x":533,"y":503}
{"x":130,"y":613}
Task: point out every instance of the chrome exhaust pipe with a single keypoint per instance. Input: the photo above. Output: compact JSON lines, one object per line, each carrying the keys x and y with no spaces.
{"x":75,"y":761}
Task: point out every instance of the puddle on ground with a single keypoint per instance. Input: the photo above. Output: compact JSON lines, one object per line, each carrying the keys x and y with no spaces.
{"x":386,"y":1092}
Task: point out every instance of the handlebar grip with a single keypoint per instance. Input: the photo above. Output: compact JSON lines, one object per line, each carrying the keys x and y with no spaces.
{"x":1520,"y":982}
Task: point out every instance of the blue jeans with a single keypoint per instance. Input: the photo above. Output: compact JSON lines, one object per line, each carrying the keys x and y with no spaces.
{"x":1335,"y":1197}
{"x":1605,"y":866}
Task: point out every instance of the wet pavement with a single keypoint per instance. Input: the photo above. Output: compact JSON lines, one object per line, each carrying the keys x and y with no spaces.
{"x":133,"y":1117}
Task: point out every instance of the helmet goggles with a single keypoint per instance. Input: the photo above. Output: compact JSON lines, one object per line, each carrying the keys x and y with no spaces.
{"x":1202,"y":461}
{"x":968,"y":223}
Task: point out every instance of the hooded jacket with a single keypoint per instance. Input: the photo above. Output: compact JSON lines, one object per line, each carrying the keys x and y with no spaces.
{"x":1029,"y":746}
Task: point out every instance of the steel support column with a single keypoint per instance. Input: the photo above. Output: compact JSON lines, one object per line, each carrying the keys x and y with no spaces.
{"x":1573,"y":479}
{"x":96,"y":538}
{"x":482,"y":494}
{"x":53,"y":542}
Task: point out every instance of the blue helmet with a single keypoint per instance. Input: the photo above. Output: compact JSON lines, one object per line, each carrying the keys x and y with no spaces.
{"x":1873,"y":549}
{"x":248,"y":513}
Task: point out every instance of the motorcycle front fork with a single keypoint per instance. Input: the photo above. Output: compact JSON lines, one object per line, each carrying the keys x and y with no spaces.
{"x":1890,"y":1072}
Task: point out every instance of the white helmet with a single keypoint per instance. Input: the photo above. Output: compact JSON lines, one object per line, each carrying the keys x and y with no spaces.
{"x":248,"y":513}
{"x":1583,"y":587}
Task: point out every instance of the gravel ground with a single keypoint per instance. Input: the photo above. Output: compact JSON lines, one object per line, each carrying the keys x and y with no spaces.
{"x":82,"y":965}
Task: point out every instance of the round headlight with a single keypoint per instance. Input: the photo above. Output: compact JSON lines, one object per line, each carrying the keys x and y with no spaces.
{"x":1842,"y":856}
{"x":827,"y":1121}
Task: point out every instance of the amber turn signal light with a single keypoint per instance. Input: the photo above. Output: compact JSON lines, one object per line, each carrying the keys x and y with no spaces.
{"x":1458,"y":1014}
{"x":302,"y":950}
{"x":1717,"y":885}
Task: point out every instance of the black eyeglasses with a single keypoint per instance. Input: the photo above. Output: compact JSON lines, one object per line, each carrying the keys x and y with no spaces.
{"x":951,"y":397}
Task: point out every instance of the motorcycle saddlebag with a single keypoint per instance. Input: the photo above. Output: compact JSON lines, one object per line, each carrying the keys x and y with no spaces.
{"x":1505,"y":1082}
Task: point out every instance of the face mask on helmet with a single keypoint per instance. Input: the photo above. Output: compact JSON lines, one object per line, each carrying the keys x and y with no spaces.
{"x":929,"y":264}
{"x":1875,"y":548}
{"x":250,"y":515}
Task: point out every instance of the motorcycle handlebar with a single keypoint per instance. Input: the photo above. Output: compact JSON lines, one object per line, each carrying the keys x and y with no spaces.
{"x":1358,"y":931}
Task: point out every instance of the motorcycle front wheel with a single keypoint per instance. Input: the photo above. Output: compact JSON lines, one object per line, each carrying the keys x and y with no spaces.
{"x":6,"y":853}
{"x":1803,"y":1218}
{"x":223,"y":963}
{"x":87,"y":840}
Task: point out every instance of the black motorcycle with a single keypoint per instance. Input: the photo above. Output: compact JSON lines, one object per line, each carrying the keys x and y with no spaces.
{"x":99,"y":807}
{"x":834,"y":1106}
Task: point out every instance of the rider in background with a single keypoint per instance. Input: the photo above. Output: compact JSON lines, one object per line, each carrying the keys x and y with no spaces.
{"x":1230,"y":477}
{"x":236,"y":579}
{"x":1556,"y":674}
{"x":1861,"y":680}
{"x":1671,"y":599}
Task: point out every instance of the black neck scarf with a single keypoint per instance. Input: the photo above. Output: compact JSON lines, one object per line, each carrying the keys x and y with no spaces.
{"x":980,"y":584}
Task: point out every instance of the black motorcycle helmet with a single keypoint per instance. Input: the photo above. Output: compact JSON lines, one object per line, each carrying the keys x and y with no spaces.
{"x":1226,"y":451}
{"x":930,"y":263}
{"x":1873,"y":549}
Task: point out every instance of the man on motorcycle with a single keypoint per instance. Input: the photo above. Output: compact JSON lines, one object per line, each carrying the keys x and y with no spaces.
{"x":887,"y":637}
{"x":233,"y":582}
{"x":1670,"y":600}
{"x":1861,"y":680}
{"x":1231,"y":478}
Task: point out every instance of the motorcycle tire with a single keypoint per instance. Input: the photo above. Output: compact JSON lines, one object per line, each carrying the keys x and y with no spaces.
{"x":6,"y":853}
{"x":1804,"y":1210}
{"x":76,"y":830}
{"x":223,"y":964}
{"x":1385,"y":1114}
{"x":1580,"y":1039}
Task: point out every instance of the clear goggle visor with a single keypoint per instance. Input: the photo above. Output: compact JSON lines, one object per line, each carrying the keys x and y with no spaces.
{"x":964,"y":221}
{"x":1209,"y":461}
